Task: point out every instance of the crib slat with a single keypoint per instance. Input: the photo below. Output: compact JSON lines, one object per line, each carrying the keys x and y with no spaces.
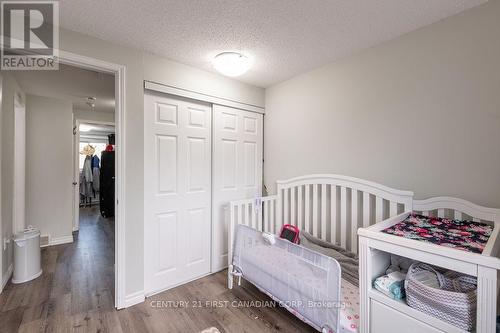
{"x":475,"y":219}
{"x":264,"y":213}
{"x":343,"y":216}
{"x":248,"y":213}
{"x":307,"y":207}
{"x":378,"y":209}
{"x":393,"y":209}
{"x":239,"y":211}
{"x":366,"y":209}
{"x":354,"y":221}
{"x":271,"y":218}
{"x":315,"y":208}
{"x":323,"y":211}
{"x":458,"y":215}
{"x":441,"y":213}
{"x":286,"y":207}
{"x":425,"y":213}
{"x":259,"y":217}
{"x":292,"y":206}
{"x":333,"y":213}
{"x":253,"y":214}
{"x":300,"y":204}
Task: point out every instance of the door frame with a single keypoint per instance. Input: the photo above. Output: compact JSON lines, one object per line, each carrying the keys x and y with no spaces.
{"x":19,"y":178}
{"x":118,"y":71}
{"x":76,"y":166}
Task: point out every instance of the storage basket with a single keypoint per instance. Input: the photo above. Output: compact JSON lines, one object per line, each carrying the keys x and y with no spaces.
{"x":454,"y":302}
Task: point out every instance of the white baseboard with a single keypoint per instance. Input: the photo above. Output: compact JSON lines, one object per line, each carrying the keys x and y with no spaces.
{"x":59,"y":240}
{"x":7,"y":276}
{"x":134,"y":298}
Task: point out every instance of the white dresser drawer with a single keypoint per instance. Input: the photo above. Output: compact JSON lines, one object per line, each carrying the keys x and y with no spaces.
{"x":384,"y":319}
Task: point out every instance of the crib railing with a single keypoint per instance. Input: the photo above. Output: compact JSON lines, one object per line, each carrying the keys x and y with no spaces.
{"x":330,"y":207}
{"x":333,"y":207}
{"x":258,"y":213}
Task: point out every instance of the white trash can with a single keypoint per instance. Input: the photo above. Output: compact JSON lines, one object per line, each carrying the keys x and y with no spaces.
{"x":27,"y":258}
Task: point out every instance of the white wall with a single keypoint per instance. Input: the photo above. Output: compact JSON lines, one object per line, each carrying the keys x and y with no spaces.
{"x":93,"y":116}
{"x":9,"y":89}
{"x":421,"y":112}
{"x":49,"y":166}
{"x":140,"y":66}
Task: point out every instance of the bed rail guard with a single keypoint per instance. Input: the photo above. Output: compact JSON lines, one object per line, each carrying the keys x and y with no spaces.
{"x":259,"y":213}
{"x":305,"y":282}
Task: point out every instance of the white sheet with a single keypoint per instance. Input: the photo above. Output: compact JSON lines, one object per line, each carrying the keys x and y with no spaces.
{"x":349,"y":315}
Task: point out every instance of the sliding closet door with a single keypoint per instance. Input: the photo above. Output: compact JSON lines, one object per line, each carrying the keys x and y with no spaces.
{"x":237,"y":169}
{"x":177,"y":188}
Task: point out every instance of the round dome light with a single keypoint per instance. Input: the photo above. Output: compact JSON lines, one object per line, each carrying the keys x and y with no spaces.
{"x":232,"y":63}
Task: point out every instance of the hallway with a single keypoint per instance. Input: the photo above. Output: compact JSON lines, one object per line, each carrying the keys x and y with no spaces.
{"x":77,"y":282}
{"x":75,"y":294}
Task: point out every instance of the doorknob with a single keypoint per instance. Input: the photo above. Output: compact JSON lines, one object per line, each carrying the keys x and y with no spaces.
{"x":75,"y":183}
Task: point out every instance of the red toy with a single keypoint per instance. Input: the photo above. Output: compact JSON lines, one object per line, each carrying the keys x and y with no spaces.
{"x":290,"y":232}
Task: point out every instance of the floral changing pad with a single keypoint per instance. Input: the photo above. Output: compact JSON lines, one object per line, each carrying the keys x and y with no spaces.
{"x":462,"y":235}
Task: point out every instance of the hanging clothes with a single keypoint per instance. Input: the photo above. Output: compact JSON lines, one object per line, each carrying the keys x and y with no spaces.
{"x":87,"y":175}
{"x":95,"y":173}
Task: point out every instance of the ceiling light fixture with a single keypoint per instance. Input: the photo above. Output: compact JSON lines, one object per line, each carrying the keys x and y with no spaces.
{"x":91,"y":102}
{"x":232,"y":63}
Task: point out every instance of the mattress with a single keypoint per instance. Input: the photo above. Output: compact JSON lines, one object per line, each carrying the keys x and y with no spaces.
{"x":349,"y":314}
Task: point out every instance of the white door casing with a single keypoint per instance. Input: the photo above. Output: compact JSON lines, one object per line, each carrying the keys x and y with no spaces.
{"x":177,"y":190}
{"x":76,"y":176}
{"x":19,"y":195}
{"x":237,"y":169}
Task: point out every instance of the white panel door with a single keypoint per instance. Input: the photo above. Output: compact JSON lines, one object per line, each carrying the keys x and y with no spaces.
{"x":177,"y":190}
{"x":237,"y":169}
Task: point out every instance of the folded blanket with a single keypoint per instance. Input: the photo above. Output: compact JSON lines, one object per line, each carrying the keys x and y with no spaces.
{"x":348,"y":261}
{"x":391,"y":284}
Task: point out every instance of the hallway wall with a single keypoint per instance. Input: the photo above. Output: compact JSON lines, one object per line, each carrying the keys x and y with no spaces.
{"x":10,"y":88}
{"x":49,"y":167}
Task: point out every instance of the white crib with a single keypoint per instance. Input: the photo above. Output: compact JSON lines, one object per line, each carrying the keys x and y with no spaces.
{"x":330,"y":207}
{"x":334,"y":207}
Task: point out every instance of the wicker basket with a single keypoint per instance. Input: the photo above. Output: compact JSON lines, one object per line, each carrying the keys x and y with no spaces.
{"x":454,"y":302}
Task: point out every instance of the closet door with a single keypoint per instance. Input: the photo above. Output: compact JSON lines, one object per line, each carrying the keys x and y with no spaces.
{"x":237,"y":169}
{"x":177,"y":190}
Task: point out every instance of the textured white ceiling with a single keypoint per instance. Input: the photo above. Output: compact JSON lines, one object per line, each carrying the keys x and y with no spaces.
{"x":72,"y":84}
{"x":285,"y":37}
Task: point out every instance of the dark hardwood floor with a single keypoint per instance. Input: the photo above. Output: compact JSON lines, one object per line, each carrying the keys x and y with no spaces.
{"x":75,"y":294}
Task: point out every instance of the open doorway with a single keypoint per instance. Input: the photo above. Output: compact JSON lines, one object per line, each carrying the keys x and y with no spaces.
{"x":94,"y":169}
{"x":56,"y":105}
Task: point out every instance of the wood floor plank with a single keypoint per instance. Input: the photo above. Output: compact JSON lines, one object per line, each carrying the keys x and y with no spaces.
{"x":76,"y":294}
